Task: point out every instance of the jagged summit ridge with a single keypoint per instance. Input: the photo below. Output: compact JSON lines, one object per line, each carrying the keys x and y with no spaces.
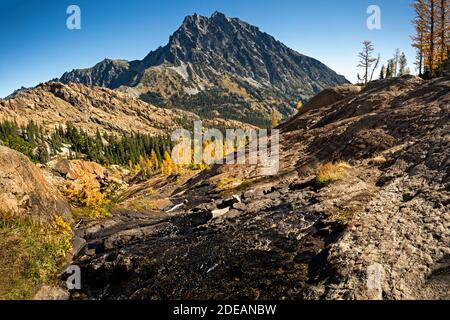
{"x":209,"y":58}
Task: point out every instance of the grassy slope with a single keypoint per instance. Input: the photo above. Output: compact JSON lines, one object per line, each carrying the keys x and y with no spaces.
{"x":31,"y":255}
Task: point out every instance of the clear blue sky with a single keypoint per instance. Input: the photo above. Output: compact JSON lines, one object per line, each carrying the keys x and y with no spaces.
{"x":36,"y":46}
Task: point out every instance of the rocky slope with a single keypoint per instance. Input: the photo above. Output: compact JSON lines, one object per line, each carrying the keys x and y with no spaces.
{"x":379,"y":231}
{"x":24,"y":191}
{"x":90,"y":108}
{"x":35,"y":235}
{"x":217,"y":66}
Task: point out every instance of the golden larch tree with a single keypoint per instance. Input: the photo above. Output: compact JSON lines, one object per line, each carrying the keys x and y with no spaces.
{"x":443,"y":29}
{"x":432,"y":34}
{"x":275,"y":121}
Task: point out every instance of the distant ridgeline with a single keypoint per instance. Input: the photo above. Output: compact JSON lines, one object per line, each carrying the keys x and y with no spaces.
{"x":40,"y":145}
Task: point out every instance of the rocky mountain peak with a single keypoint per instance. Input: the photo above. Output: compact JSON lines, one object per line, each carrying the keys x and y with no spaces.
{"x":217,"y":14}
{"x":209,"y":58}
{"x":231,"y":45}
{"x":199,"y":22}
{"x":215,"y":32}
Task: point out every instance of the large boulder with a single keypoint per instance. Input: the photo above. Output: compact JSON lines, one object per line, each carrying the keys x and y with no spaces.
{"x":85,"y":182}
{"x":79,"y":174}
{"x":25,"y":193}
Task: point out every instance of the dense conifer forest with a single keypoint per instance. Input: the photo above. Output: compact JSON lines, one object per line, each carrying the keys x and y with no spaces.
{"x":41,"y":145}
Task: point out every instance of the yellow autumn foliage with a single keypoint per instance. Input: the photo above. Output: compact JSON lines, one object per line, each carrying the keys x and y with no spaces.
{"x":96,"y":203}
{"x":331,"y":172}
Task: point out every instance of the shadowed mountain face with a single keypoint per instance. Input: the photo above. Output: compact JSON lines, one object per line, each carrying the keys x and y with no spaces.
{"x":217,"y":66}
{"x":296,"y":235}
